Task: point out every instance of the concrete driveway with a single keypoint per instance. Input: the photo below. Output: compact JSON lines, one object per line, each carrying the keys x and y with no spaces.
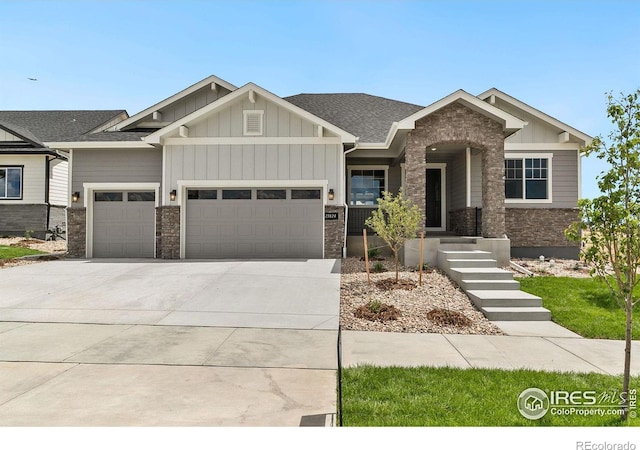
{"x":297,"y":294}
{"x":146,"y":343}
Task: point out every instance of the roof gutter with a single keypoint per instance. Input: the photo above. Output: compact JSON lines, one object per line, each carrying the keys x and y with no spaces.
{"x":344,"y":196}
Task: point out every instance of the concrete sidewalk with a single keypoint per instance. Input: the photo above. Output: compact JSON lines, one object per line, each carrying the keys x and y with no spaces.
{"x":527,"y":345}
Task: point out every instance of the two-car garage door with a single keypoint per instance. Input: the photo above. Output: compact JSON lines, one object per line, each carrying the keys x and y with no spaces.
{"x":218,"y":222}
{"x":254,"y":223}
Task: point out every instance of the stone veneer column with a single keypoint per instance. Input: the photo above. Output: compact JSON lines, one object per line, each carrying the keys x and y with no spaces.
{"x":493,"y":189}
{"x":415,"y":188}
{"x":77,"y":232}
{"x":168,"y":232}
{"x":334,"y":233}
{"x":456,"y":124}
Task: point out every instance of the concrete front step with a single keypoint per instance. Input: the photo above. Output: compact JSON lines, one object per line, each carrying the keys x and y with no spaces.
{"x":464,"y":254}
{"x":516,"y":313}
{"x":479,"y":273}
{"x":488,"y":298}
{"x":457,"y":263}
{"x":495,"y":285}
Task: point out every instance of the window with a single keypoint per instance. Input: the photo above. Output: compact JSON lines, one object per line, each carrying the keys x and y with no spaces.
{"x":271,"y":194}
{"x":141,"y":196}
{"x":366,"y":185}
{"x":253,"y":122}
{"x":202,"y":194}
{"x":108,"y":196}
{"x":527,"y":178}
{"x":305,"y":194}
{"x":11,"y":183}
{"x":236,"y":194}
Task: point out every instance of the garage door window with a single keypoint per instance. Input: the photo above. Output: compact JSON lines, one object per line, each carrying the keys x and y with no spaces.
{"x":108,"y":196}
{"x":202,"y":194}
{"x":236,"y":194}
{"x":141,"y":196}
{"x":272,"y":194}
{"x":305,"y":194}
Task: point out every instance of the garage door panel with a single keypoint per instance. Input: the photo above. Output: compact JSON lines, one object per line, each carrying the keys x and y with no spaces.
{"x":124,"y":229}
{"x":255,"y":228}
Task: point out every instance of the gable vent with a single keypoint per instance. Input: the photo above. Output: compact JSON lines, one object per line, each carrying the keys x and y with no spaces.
{"x":253,"y":123}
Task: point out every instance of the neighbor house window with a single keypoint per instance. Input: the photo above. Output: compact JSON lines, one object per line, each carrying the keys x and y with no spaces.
{"x":366,"y":185}
{"x":527,"y":178}
{"x":11,"y":183}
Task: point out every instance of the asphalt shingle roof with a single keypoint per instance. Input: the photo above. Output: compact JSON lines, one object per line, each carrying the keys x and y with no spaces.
{"x":109,"y":136}
{"x":367,"y":116}
{"x":58,"y":125}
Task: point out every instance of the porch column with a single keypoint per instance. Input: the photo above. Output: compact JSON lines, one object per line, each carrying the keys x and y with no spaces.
{"x":416,"y":174}
{"x":493,"y":189}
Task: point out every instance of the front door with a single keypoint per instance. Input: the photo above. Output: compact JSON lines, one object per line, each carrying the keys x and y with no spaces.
{"x":436,"y":197}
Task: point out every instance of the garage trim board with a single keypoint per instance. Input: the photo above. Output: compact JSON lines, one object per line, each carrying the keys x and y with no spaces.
{"x":254,"y":186}
{"x":91,"y":188}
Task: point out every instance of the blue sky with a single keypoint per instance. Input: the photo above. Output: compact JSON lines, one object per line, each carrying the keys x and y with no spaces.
{"x":558,"y":56}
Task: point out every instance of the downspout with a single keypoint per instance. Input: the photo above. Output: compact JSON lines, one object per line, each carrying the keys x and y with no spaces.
{"x":47,"y":173}
{"x":344,"y":197}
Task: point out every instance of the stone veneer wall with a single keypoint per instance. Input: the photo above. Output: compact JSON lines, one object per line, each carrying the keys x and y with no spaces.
{"x":16,"y":219}
{"x":77,"y":232}
{"x":540,"y":227}
{"x":334,"y":233}
{"x":463,"y":221}
{"x":459,"y":125}
{"x":168,"y":232}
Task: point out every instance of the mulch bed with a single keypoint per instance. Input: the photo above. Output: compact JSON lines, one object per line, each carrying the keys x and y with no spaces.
{"x":448,"y":317}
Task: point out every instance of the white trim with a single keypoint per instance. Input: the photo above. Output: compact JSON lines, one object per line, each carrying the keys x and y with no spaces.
{"x":109,"y":145}
{"x":89,"y":189}
{"x":183,"y":185}
{"x":368,"y":167}
{"x":536,"y":113}
{"x":443,"y":195}
{"x":468,"y":176}
{"x":250,"y":140}
{"x":523,"y":156}
{"x":512,"y":146}
{"x":156,"y":137}
{"x":509,"y":122}
{"x":70,"y":182}
{"x":184,"y":93}
{"x":579,"y":175}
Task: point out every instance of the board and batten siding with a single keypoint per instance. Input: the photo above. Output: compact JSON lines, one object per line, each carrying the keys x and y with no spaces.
{"x":191,"y":103}
{"x":278,"y":122}
{"x":536,"y":131}
{"x":253,"y":162}
{"x":58,"y":182}
{"x":115,"y":166}
{"x":33,"y":177}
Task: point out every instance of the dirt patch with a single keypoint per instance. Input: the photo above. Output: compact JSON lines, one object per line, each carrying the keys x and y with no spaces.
{"x":388,"y":284}
{"x":377,"y":312}
{"x":447,"y":317}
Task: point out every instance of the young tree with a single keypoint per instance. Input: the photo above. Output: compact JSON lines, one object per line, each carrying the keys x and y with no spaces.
{"x":609,"y":225}
{"x":395,"y":221}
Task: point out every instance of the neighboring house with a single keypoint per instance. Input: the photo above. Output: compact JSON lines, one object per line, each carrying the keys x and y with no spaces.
{"x":34,"y":177}
{"x":217,"y":171}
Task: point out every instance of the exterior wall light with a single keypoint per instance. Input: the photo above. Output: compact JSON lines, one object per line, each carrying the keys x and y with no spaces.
{"x":172,"y":195}
{"x":75,"y":197}
{"x":331,"y":194}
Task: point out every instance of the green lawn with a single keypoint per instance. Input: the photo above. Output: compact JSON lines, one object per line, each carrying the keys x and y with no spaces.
{"x":424,"y":396}
{"x":16,"y":252}
{"x":583,"y":305}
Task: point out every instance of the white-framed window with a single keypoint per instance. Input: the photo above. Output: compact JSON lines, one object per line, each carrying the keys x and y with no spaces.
{"x":253,"y":122}
{"x":527,"y":178}
{"x":11,"y":183}
{"x":366,"y":184}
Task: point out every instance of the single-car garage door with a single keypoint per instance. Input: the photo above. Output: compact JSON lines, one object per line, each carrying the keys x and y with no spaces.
{"x":254,"y":223}
{"x":123,"y":224}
